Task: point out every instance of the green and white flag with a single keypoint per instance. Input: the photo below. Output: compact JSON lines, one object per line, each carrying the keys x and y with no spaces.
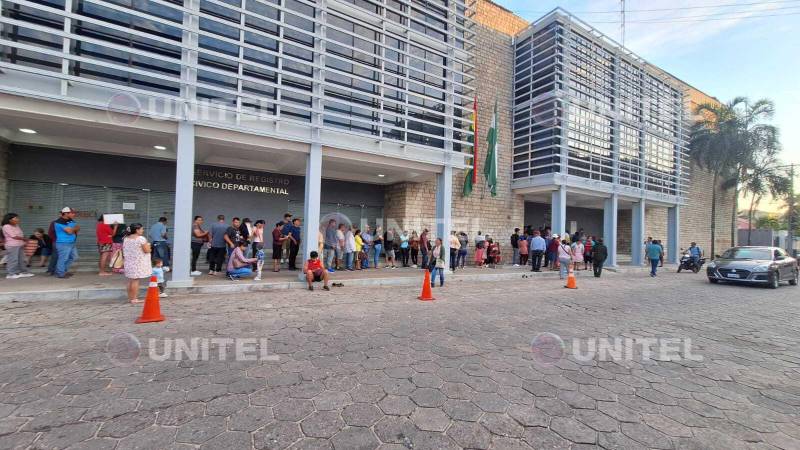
{"x":490,"y":167}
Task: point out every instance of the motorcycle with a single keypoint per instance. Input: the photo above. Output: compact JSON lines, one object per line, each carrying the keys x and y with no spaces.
{"x":688,"y":263}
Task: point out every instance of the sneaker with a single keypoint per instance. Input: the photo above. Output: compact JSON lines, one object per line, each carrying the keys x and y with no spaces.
{"x":331,"y":271}
{"x":26,"y":275}
{"x":326,"y":288}
{"x":414,"y":266}
{"x":212,"y":273}
{"x":196,"y":273}
{"x":311,"y":288}
{"x":516,"y":265}
{"x":163,"y":294}
{"x":166,"y":268}
{"x":233,"y":278}
{"x":257,"y":279}
{"x":12,"y":277}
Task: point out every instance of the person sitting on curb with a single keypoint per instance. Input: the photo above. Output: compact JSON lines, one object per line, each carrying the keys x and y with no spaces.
{"x":238,"y":264}
{"x":314,"y":271}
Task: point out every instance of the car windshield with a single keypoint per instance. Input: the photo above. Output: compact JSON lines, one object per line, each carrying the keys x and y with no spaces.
{"x":748,"y":253}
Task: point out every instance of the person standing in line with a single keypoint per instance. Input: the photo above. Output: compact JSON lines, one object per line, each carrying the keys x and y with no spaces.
{"x":523,"y":249}
{"x":137,"y":260}
{"x":654,"y":254}
{"x":117,"y":258}
{"x":578,"y":250}
{"x":295,"y":232}
{"x":199,"y":238}
{"x":599,"y":256}
{"x":366,"y":237}
{"x":404,"y":250}
{"x":51,"y":231}
{"x":515,"y":248}
{"x":493,"y":253}
{"x":238,"y":264}
{"x":216,"y":254}
{"x":158,"y":238}
{"x":538,"y":246}
{"x":552,"y":250}
{"x":437,"y":263}
{"x":246,"y":232}
{"x":455,"y":246}
{"x":565,"y":257}
{"x":233,"y":236}
{"x":359,"y":248}
{"x":330,"y":245}
{"x":414,"y":245}
{"x":424,"y":247}
{"x":277,"y":246}
{"x":377,"y":242}
{"x":463,"y":241}
{"x":257,"y":238}
{"x":287,"y":220}
{"x":15,"y":247}
{"x":548,"y":239}
{"x":480,"y":251}
{"x":388,"y":240}
{"x":340,"y":246}
{"x":587,"y":252}
{"x":349,"y":248}
{"x":66,"y":231}
{"x":104,"y":234}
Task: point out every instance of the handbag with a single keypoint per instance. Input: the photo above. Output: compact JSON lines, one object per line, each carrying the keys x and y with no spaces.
{"x":117,"y":260}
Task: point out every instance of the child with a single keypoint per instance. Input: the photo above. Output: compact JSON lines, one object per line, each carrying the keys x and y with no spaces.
{"x":158,"y":272}
{"x":314,"y":271}
{"x":259,"y":264}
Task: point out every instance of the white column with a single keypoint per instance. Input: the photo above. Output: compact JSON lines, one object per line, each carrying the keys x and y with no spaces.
{"x":310,"y":241}
{"x":444,"y":201}
{"x":637,"y":235}
{"x":673,"y":234}
{"x":184,"y":192}
{"x":610,"y":210}
{"x":559,"y":211}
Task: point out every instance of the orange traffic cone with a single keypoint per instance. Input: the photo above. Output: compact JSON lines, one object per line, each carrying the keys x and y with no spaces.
{"x":426,"y":295}
{"x":152,"y":310}
{"x":571,"y":283}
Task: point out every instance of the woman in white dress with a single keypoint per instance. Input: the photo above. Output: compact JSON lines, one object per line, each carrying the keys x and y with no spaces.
{"x":136,"y":251}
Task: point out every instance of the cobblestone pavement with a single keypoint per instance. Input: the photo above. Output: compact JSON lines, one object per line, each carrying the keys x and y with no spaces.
{"x":367,"y":368}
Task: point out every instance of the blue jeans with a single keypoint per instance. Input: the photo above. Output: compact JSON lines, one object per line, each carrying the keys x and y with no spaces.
{"x":654,"y":266}
{"x":564,"y":269}
{"x":329,"y":253}
{"x":241,"y":272}
{"x":424,"y":256}
{"x":348,"y":260}
{"x":365,"y":263}
{"x":66,"y":254}
{"x":377,"y":256}
{"x":462,"y":257}
{"x":161,"y":251}
{"x":441,"y":276}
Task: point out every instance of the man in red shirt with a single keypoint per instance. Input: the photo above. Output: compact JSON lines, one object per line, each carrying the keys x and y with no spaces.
{"x":315,"y":272}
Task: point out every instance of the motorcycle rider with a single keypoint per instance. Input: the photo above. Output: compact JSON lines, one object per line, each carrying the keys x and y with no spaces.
{"x":695,"y":252}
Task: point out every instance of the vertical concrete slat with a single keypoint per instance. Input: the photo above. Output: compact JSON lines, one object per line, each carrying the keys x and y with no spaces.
{"x":637,"y":233}
{"x":444,"y":203}
{"x":610,"y":211}
{"x":184,"y":194}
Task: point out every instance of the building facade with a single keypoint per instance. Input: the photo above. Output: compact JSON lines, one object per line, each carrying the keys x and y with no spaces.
{"x":360,"y":108}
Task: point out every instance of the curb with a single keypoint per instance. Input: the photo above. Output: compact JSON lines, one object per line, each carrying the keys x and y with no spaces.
{"x":243,"y":287}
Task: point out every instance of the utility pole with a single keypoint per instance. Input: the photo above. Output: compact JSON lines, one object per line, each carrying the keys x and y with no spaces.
{"x":790,"y":234}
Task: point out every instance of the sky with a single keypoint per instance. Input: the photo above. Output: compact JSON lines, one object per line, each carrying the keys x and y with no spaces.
{"x":720,"y":47}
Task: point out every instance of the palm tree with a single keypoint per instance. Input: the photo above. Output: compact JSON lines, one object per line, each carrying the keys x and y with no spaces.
{"x":767,"y":179}
{"x":756,"y":151}
{"x":714,"y":144}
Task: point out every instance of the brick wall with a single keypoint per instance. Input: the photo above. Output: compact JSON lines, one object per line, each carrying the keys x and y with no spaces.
{"x":495,"y":17}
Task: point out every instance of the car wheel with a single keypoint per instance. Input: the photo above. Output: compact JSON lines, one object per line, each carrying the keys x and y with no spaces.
{"x":713,"y":280}
{"x":793,"y":281}
{"x":774,"y":280}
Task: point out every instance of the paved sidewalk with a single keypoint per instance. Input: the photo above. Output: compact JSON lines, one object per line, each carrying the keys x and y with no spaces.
{"x":366,"y":367}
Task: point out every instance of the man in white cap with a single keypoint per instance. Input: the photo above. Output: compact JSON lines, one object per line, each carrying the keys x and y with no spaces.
{"x":66,"y":231}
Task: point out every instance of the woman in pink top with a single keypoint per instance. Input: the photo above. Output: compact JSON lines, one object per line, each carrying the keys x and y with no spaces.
{"x":15,"y":247}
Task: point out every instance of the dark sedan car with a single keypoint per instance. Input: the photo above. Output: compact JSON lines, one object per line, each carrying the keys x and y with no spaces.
{"x":754,"y":265}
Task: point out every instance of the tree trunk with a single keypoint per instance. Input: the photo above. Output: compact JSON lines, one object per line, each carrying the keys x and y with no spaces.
{"x":750,"y":220}
{"x":714,"y":214}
